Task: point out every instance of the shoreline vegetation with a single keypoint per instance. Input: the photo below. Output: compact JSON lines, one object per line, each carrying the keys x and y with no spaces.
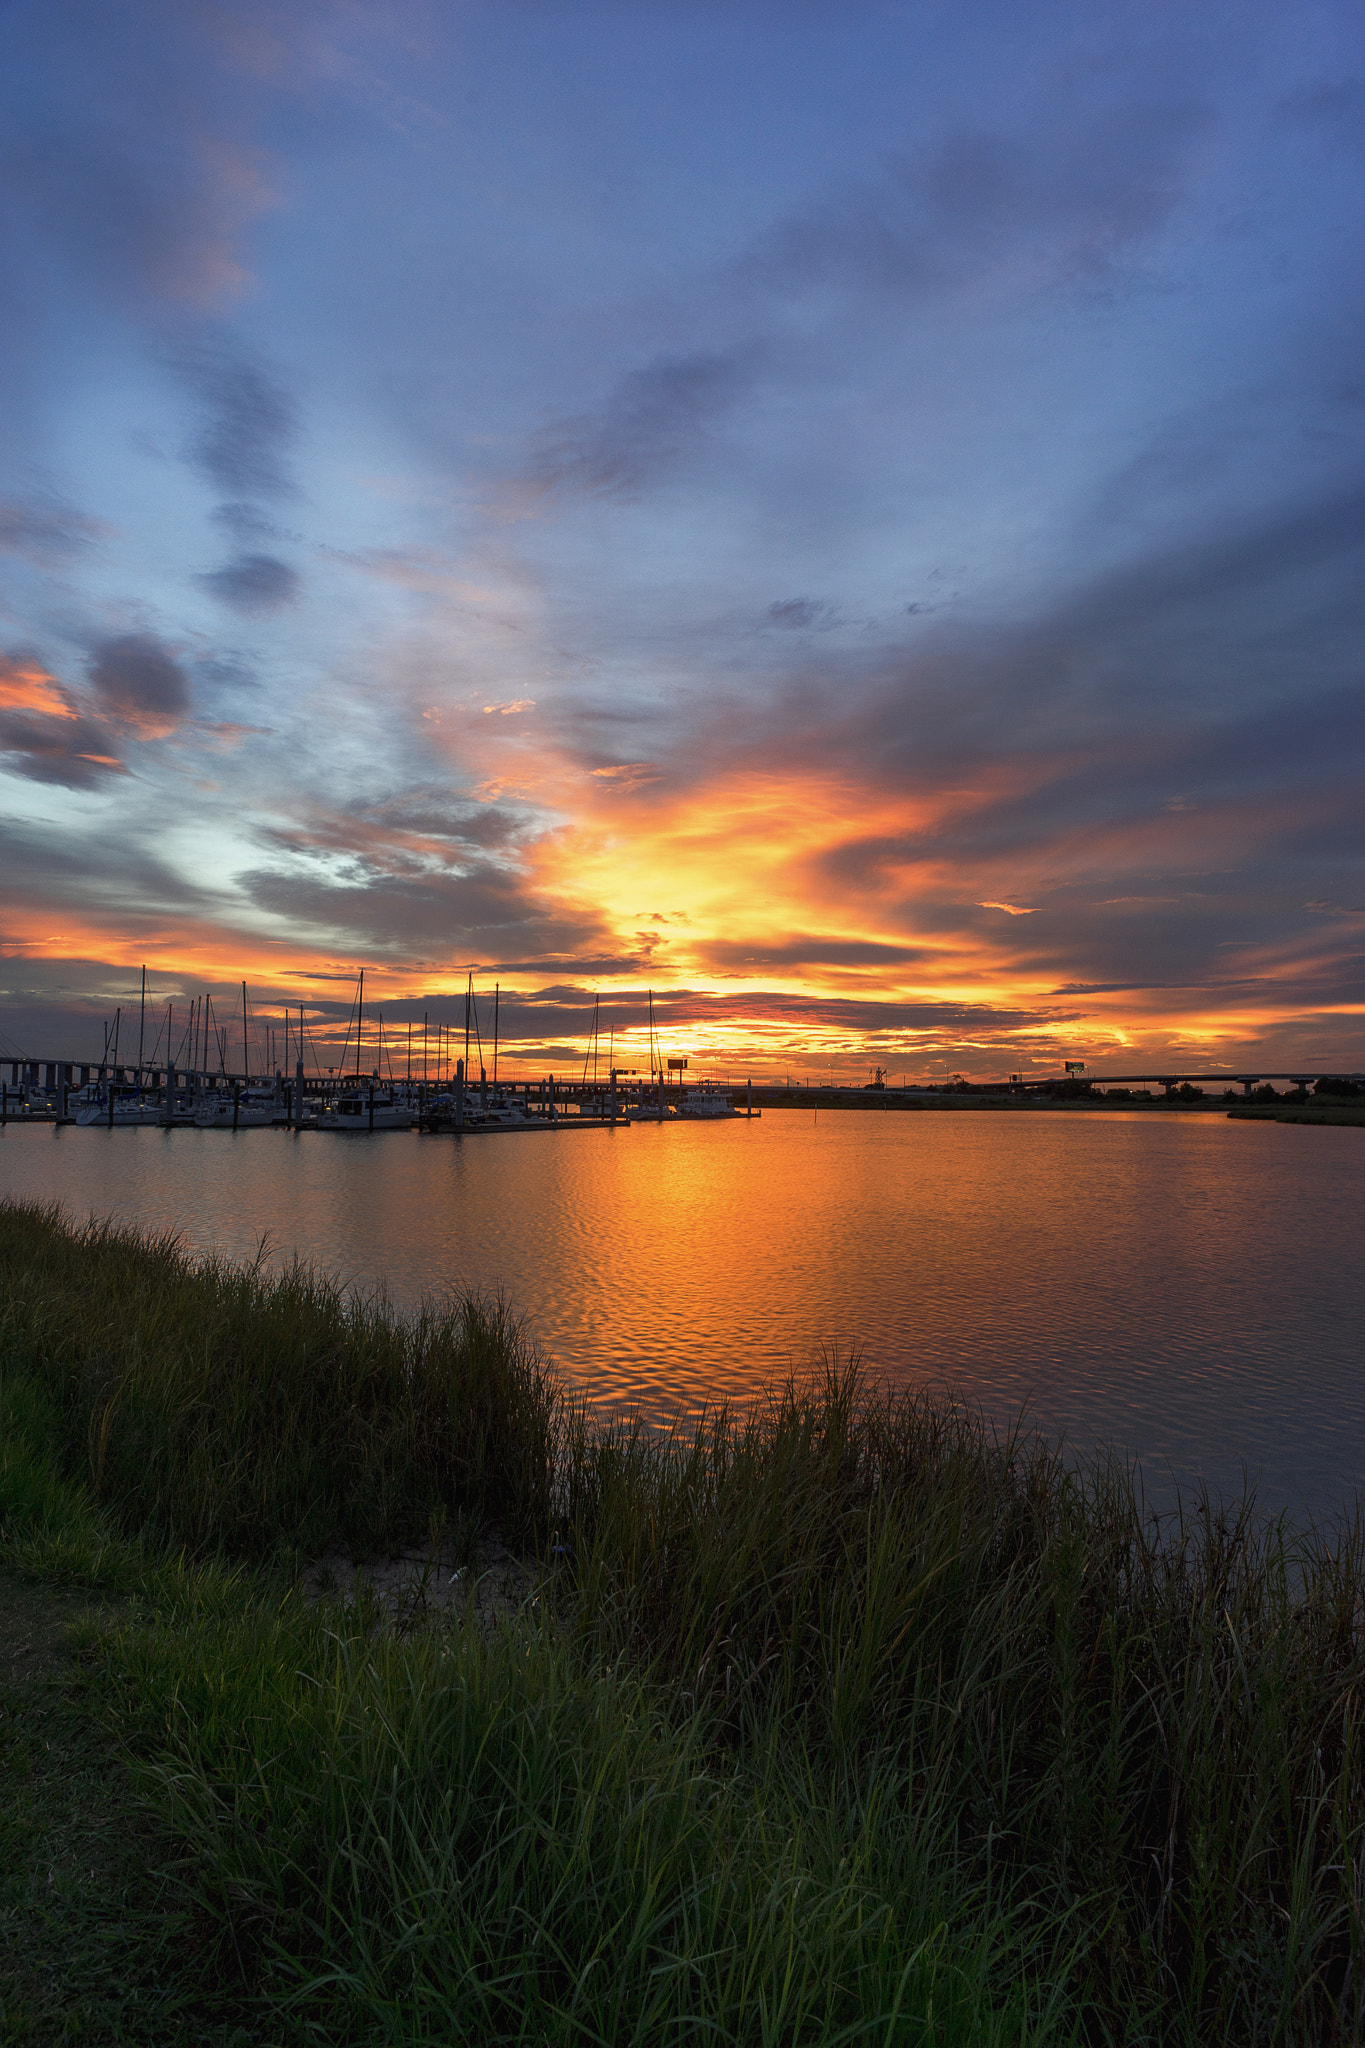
{"x":847,"y":1720}
{"x":1265,"y":1106}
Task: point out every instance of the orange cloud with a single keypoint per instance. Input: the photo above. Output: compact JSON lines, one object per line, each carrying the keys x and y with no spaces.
{"x":26,"y":686}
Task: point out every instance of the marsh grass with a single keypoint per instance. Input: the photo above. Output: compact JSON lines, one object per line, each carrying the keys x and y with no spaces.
{"x":850,"y":1718}
{"x":228,"y":1408}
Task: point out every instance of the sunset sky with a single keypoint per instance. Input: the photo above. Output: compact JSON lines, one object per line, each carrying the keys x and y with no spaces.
{"x":851,"y":516}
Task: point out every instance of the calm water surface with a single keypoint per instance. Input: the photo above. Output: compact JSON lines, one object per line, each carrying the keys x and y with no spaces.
{"x":1187,"y":1289}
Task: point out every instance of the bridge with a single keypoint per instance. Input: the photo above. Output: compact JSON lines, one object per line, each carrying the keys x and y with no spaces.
{"x":53,"y":1077}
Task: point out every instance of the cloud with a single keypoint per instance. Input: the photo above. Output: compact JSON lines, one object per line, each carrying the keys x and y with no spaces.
{"x":44,"y":734}
{"x":125,"y":158}
{"x":25,"y":685}
{"x":1072,"y":199}
{"x":140,"y":684}
{"x":517,"y":704}
{"x":1010,"y":909}
{"x":248,"y":421}
{"x":253,"y":583}
{"x":436,"y":914}
{"x":653,"y":420}
{"x":781,"y":953}
{"x":800,"y":614}
{"x":626,"y":776}
{"x":46,"y":531}
{"x":244,"y":521}
{"x":420,"y":814}
{"x":76,"y":752}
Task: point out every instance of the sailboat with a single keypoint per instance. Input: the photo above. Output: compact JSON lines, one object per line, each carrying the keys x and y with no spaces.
{"x":364,"y":1103}
{"x":238,"y":1108}
{"x":656,"y":1112}
{"x":129,"y":1106}
{"x":252,"y":1108}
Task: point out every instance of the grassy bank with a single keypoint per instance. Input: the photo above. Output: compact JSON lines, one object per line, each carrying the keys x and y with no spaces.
{"x":1311,"y":1112}
{"x":845,"y":1721}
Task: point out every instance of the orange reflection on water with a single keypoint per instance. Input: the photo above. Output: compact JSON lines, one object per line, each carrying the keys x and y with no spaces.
{"x":1119,"y":1276}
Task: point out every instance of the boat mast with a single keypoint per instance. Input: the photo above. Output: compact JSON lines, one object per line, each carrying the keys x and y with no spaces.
{"x":141,"y":1022}
{"x":359,"y":1024}
{"x":496,"y":993}
{"x":246,"y":1050}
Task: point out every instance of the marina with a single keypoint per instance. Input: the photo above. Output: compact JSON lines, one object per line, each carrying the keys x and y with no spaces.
{"x":127,"y":1098}
{"x":437,"y":1095}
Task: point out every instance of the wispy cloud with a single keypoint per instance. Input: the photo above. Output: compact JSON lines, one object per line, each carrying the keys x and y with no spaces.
{"x":253,"y":583}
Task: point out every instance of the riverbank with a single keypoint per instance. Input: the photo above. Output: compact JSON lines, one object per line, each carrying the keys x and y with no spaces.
{"x":850,"y":1720}
{"x":895,"y":1100}
{"x":1326,"y":1112}
{"x":1286,"y":1110}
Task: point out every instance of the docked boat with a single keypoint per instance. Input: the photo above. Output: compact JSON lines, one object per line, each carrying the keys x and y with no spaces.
{"x":501,"y":1113}
{"x":250,"y":1110}
{"x":27,"y":1101}
{"x":368,"y":1109}
{"x":705,"y":1104}
{"x":93,"y":1106}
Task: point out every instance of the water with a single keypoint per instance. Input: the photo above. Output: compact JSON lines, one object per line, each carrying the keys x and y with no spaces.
{"x":1185,"y":1288}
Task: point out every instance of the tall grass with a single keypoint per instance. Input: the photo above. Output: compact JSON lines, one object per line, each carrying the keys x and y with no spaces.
{"x":228,"y":1407}
{"x":850,"y":1718}
{"x":462,"y":1839}
{"x":1149,"y":1731}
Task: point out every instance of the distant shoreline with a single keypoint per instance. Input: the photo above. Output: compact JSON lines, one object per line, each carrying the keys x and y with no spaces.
{"x":1284,"y":1111}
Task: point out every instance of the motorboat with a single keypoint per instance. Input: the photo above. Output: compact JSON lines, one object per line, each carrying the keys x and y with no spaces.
{"x":502,"y":1112}
{"x":27,"y":1100}
{"x":368,"y":1109}
{"x":705,"y":1104}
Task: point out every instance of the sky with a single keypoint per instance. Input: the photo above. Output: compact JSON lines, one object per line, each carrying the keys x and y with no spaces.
{"x":849,"y":517}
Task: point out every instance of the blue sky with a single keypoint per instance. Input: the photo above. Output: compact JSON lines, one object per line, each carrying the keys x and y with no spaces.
{"x":850,"y":516}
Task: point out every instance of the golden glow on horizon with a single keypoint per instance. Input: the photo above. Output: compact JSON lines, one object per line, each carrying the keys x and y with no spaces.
{"x":755,"y":898}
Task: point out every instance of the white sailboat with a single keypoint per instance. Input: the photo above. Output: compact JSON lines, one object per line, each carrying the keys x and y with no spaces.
{"x":92,"y":1106}
{"x":253,"y":1108}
